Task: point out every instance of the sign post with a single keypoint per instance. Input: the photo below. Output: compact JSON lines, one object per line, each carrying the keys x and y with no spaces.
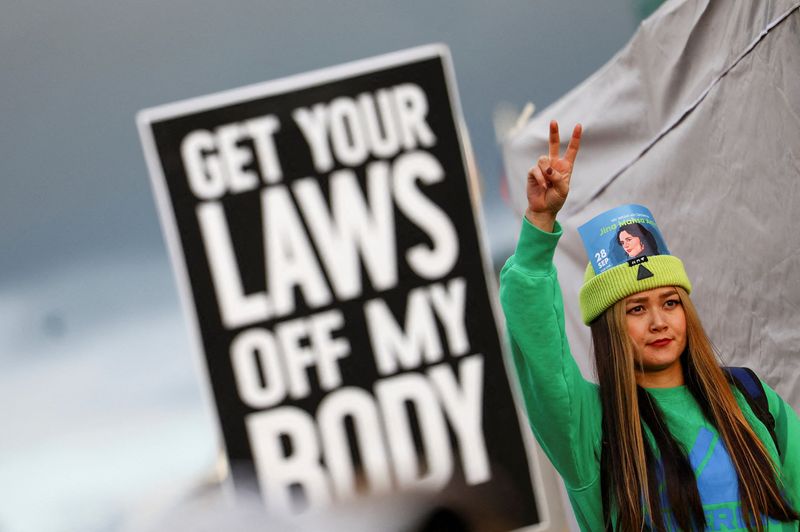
{"x":328,"y":245}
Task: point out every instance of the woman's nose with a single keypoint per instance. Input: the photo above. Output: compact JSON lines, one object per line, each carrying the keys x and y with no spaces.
{"x":657,"y":322}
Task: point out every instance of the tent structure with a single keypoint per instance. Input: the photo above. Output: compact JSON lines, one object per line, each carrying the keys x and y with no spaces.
{"x":697,"y":118}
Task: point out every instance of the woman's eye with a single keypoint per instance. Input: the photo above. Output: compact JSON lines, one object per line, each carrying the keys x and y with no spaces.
{"x":672,"y":303}
{"x":635,"y":310}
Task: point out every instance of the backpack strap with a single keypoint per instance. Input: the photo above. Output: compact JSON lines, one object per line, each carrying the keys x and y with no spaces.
{"x":750,"y":385}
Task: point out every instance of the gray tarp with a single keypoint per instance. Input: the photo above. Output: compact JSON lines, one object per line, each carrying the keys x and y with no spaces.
{"x":698,"y":118}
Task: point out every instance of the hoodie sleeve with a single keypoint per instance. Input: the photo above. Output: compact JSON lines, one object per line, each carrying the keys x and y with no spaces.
{"x":563,"y":408}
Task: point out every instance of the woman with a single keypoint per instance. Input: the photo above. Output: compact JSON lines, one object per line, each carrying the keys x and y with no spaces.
{"x":664,"y":442}
{"x":636,"y":240}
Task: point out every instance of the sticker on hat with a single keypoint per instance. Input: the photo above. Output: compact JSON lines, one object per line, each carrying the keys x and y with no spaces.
{"x":627,"y":234}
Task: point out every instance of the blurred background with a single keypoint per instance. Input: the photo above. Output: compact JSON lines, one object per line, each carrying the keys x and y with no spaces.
{"x":103,"y":417}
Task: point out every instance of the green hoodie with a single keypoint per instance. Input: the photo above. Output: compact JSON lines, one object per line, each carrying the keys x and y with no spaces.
{"x":564,"y":409}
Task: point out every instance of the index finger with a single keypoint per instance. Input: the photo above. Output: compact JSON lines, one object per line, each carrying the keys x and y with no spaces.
{"x":555,"y":140}
{"x":574,"y":144}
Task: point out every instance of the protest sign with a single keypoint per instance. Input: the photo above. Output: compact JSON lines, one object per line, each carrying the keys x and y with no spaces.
{"x":327,"y":241}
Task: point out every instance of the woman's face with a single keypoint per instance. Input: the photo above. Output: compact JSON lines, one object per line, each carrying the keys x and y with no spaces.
{"x":656,"y":324}
{"x":631,"y":244}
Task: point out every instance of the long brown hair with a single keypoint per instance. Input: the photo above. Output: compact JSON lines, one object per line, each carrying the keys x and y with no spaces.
{"x":628,"y":464}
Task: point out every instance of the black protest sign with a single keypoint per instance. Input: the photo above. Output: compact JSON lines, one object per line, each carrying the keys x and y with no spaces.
{"x":325,"y":233}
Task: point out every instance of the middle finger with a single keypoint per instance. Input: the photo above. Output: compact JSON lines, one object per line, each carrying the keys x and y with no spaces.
{"x":555,"y":140}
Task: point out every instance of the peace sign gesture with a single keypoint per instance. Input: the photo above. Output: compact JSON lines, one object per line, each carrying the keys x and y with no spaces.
{"x":548,"y":180}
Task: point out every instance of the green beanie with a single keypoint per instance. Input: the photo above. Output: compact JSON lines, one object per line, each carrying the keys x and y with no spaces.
{"x":601,"y":291}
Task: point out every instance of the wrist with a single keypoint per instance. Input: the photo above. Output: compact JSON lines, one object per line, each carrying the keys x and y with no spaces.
{"x":543,"y":220}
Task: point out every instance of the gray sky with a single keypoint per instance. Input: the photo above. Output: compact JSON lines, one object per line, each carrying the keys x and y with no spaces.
{"x":75,"y":73}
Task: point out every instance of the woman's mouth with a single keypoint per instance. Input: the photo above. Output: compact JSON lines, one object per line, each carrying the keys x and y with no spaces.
{"x":661,"y":343}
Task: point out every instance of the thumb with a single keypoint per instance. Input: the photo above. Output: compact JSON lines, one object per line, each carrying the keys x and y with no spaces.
{"x":560,"y":183}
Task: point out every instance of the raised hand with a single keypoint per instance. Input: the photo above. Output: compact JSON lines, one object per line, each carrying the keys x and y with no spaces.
{"x":548,"y":180}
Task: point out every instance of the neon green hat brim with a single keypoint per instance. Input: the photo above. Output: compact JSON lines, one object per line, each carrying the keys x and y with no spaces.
{"x":599,"y":292}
